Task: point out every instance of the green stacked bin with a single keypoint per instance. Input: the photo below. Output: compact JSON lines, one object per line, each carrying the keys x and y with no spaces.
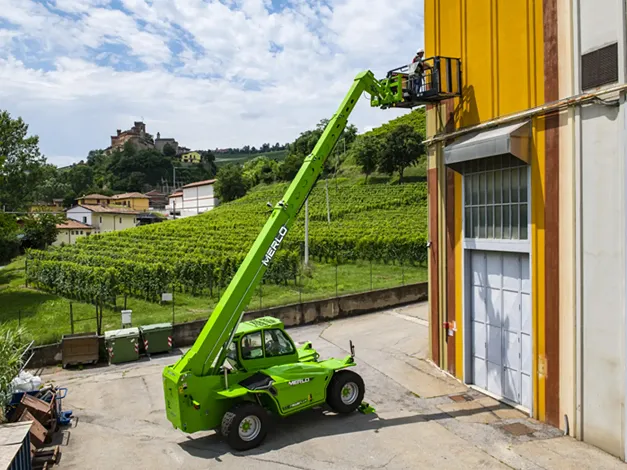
{"x":157,"y":338}
{"x":122,"y":345}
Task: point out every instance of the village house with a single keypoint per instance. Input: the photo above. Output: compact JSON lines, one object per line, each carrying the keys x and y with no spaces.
{"x":191,"y":157}
{"x":104,"y":218}
{"x":55,"y":206}
{"x":94,"y":199}
{"x":192,"y":199}
{"x":71,"y":230}
{"x":157,"y":200}
{"x":134,"y":200}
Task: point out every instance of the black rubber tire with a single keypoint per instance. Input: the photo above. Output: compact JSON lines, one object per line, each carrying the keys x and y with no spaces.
{"x":334,"y":391}
{"x":231,"y":422}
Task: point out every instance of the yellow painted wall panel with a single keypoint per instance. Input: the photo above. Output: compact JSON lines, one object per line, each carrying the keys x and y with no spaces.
{"x":514,"y":21}
{"x":430,"y":25}
{"x":477,"y":62}
{"x":450,"y":25}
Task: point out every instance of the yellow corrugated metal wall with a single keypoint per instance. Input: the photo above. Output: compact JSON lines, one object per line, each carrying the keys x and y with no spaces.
{"x":501,"y":47}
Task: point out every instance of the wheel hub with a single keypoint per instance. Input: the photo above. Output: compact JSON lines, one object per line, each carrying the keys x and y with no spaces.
{"x":249,"y":428}
{"x":349,"y":393}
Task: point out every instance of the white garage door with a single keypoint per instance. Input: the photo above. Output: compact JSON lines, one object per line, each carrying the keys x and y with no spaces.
{"x":501,"y":325}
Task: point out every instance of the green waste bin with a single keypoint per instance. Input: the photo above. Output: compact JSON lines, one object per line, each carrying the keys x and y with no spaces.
{"x":122,"y":345}
{"x":157,"y":338}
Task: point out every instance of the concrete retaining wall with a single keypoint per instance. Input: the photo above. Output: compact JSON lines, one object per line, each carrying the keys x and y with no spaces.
{"x":292,"y":315}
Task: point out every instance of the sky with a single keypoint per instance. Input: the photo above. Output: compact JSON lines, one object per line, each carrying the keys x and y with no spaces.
{"x":210,"y":73}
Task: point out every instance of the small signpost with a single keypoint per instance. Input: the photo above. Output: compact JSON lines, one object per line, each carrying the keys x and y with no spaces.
{"x":126,"y":318}
{"x":168,"y":297}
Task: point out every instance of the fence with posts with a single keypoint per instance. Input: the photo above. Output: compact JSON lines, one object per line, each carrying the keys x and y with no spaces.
{"x":314,"y":281}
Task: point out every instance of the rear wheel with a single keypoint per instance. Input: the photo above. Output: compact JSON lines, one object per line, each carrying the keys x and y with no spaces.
{"x":245,"y":426}
{"x":345,"y":392}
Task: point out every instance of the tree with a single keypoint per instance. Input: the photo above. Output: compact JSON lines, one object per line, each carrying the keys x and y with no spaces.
{"x":132,"y":170}
{"x":169,"y":151}
{"x":12,"y":347}
{"x":79,"y":177}
{"x":21,"y":162}
{"x":40,"y":231}
{"x":208,"y":162}
{"x":403,"y":147}
{"x":367,"y":152}
{"x":230,"y":183}
{"x":290,"y":166}
{"x":52,"y":186}
{"x":260,"y":170}
{"x":9,"y":243}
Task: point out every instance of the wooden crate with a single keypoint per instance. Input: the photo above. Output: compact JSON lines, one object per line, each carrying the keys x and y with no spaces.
{"x":38,"y":433}
{"x":79,"y":348}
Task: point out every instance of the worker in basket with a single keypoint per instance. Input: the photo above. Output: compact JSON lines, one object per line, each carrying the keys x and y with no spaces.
{"x":416,"y":73}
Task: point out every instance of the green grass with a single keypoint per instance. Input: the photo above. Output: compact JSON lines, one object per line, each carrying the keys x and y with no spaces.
{"x":46,"y":316}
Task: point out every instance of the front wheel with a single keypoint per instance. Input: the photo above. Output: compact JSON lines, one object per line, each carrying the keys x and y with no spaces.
{"x":245,"y":426}
{"x":346,"y":391}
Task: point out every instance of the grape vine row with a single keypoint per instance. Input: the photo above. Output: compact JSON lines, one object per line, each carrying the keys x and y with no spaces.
{"x":200,"y":254}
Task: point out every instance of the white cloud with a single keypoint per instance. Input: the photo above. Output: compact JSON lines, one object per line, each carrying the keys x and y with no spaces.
{"x":201,"y":71}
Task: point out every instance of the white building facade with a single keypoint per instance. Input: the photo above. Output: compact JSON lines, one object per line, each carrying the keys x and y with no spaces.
{"x":596,"y":290}
{"x":192,"y":199}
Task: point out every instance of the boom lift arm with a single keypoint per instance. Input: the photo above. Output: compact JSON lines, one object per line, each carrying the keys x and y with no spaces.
{"x":210,"y":349}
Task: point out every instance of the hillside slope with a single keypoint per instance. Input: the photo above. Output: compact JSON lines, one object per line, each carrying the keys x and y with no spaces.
{"x":382,"y":223}
{"x":416,"y":119}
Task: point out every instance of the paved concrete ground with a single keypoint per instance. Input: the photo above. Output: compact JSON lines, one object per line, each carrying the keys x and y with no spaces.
{"x":120,"y":419}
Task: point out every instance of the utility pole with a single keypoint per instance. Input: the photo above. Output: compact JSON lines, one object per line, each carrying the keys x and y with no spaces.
{"x":328,"y":208}
{"x":307,"y":232}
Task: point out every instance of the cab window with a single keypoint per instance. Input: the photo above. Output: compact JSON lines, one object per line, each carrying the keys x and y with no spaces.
{"x":252,"y":346}
{"x":277,"y":343}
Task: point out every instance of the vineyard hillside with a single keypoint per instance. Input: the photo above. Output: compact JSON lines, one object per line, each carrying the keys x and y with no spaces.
{"x":416,"y":119}
{"x":381,"y":223}
{"x":224,"y":158}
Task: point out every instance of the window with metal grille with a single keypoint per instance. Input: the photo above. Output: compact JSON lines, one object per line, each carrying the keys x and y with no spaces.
{"x":496,"y":194}
{"x":599,"y":67}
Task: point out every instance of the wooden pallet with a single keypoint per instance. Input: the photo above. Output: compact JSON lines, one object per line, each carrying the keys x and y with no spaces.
{"x":45,"y":458}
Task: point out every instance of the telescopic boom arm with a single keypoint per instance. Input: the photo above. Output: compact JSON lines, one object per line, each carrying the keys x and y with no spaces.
{"x":212,"y":344}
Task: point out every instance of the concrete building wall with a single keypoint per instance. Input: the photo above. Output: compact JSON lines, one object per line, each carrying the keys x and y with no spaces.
{"x":603,"y":271}
{"x":196,"y":200}
{"x":601,"y":151}
{"x":137,"y":204}
{"x":80,"y":215}
{"x":69,"y":236}
{"x":115,"y":222}
{"x":567,"y":223}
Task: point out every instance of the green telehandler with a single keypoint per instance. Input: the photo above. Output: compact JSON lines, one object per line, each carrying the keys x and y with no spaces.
{"x":237,"y":373}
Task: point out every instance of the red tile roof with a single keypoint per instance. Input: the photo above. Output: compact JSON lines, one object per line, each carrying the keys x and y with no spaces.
{"x":199,"y":183}
{"x":73,"y":224}
{"x":108,"y":210}
{"x":133,"y":195}
{"x":176,"y":194}
{"x":94,"y":196}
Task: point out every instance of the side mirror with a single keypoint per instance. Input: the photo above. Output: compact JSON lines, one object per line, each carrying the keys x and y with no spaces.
{"x":352,"y":348}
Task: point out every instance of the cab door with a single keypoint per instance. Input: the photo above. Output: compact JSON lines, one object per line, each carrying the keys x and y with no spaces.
{"x":266,"y":348}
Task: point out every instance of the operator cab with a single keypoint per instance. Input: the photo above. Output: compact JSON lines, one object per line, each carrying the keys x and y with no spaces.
{"x":433,"y":80}
{"x":261,"y":343}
